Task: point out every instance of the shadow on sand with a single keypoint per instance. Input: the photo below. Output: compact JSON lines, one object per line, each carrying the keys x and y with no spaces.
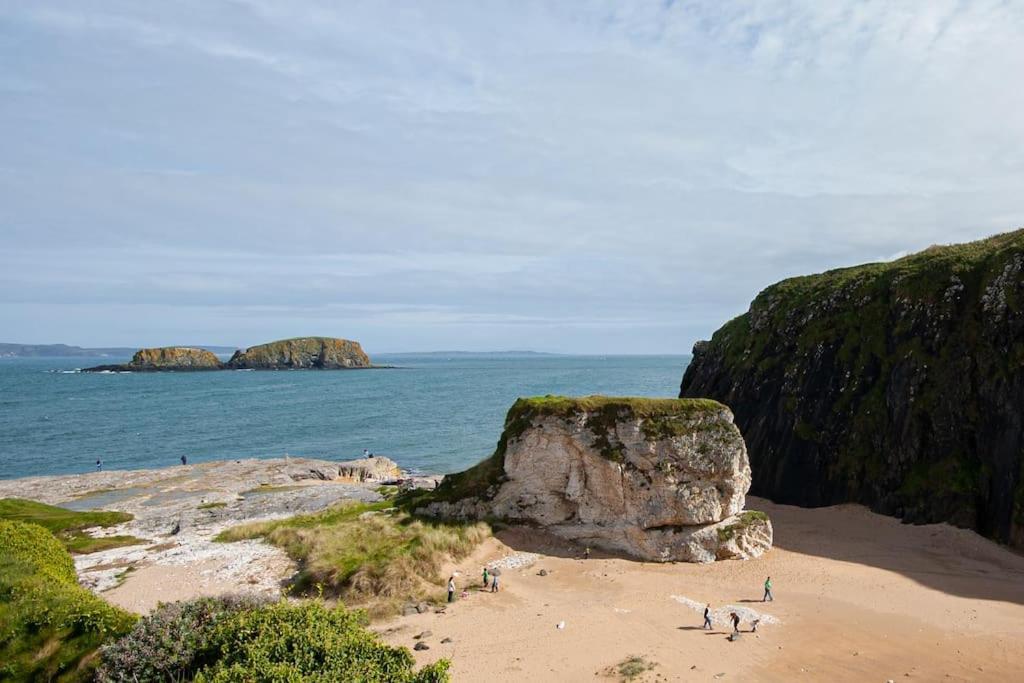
{"x":939,"y":556}
{"x":954,"y":561}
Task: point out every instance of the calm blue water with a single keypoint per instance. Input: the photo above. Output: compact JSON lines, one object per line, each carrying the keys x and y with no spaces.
{"x":435,"y":414}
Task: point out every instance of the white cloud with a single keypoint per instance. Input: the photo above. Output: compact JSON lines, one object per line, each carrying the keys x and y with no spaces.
{"x":640,"y":166}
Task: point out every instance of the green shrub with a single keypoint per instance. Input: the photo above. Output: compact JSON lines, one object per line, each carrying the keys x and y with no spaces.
{"x":307,"y":642}
{"x":50,"y":627}
{"x":169,"y":643}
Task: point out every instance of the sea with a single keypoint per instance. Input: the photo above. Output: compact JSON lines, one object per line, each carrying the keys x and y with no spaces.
{"x":431,"y":413}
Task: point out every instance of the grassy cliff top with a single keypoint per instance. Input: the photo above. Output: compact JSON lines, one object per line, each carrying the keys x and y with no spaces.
{"x":931,"y":268}
{"x":830,"y":304}
{"x":565,"y":406}
{"x":295,"y":340}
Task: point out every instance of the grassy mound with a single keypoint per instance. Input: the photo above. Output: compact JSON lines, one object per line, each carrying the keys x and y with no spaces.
{"x":50,"y":627}
{"x":69,"y":525}
{"x":371,"y":555}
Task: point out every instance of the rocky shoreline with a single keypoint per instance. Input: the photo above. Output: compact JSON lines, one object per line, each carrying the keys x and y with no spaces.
{"x":180,"y":510}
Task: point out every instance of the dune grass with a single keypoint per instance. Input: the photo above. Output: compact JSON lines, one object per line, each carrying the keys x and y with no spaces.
{"x":371,"y":555}
{"x":69,"y":525}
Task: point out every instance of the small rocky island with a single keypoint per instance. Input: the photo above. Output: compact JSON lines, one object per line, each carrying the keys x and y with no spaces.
{"x":301,"y":353}
{"x":658,"y":479}
{"x":311,"y":353}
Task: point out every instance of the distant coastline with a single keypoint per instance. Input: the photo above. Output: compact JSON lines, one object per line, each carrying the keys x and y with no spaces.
{"x":11,"y":350}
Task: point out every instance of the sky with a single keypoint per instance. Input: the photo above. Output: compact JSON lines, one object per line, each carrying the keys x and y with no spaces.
{"x":589,"y":177}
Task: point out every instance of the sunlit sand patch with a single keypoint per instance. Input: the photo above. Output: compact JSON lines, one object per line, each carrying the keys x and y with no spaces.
{"x":720,"y":615}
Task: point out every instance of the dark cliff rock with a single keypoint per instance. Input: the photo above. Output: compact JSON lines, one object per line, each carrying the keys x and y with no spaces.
{"x":166,"y":359}
{"x":898,"y":385}
{"x":317,"y":353}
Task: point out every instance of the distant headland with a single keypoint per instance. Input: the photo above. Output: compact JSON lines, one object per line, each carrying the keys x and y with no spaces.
{"x":300,"y":353}
{"x":9,"y":350}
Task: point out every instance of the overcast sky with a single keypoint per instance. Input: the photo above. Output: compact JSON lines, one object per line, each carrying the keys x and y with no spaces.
{"x":565,"y":176}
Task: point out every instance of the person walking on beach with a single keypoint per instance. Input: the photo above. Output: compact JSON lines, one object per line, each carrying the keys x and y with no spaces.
{"x":99,"y":464}
{"x":494,"y":584}
{"x":707,"y":616}
{"x":768,"y":590}
{"x":451,"y":588}
{"x":486,"y":575}
{"x":586,"y":553}
{"x":184,"y":460}
{"x":735,"y":622}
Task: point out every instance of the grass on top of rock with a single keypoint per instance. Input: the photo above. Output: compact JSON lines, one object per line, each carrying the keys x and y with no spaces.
{"x":663,"y":418}
{"x":625,"y":406}
{"x":372,"y":555}
{"x":50,"y":627}
{"x":745,"y":519}
{"x":69,"y":525}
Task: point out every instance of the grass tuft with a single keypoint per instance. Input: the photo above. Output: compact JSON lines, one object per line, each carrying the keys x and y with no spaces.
{"x":69,"y":525}
{"x":371,"y":555}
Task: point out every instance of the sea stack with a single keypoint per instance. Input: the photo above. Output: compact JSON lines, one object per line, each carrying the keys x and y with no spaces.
{"x":166,"y":359}
{"x":302,"y":353}
{"x":658,"y":479}
{"x":898,"y":385}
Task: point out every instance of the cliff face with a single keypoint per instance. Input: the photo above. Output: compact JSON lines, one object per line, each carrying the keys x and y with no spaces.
{"x":898,"y":385}
{"x":658,"y":479}
{"x":321,"y":353}
{"x":174,"y":358}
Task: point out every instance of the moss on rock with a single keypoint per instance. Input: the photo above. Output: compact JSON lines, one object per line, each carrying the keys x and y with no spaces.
{"x":897,"y":385}
{"x":319,"y":353}
{"x":661,"y":418}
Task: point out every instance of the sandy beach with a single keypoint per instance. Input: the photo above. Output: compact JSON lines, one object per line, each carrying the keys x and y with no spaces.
{"x":858,"y":597}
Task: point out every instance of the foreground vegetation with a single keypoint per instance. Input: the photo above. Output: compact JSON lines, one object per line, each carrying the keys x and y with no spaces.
{"x":69,"y":525}
{"x":372,"y":555}
{"x":50,"y":627}
{"x":233,"y":638}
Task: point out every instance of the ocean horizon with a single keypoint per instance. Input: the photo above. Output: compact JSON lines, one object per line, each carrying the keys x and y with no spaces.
{"x":434,"y":412}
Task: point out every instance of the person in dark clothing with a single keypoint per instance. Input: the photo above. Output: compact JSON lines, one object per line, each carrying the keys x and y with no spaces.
{"x":184,"y":460}
{"x":707,"y":617}
{"x":99,"y":465}
{"x":735,"y":622}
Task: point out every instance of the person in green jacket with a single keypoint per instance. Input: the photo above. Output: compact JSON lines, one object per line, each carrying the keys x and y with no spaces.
{"x":768,"y":590}
{"x":486,"y":575}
